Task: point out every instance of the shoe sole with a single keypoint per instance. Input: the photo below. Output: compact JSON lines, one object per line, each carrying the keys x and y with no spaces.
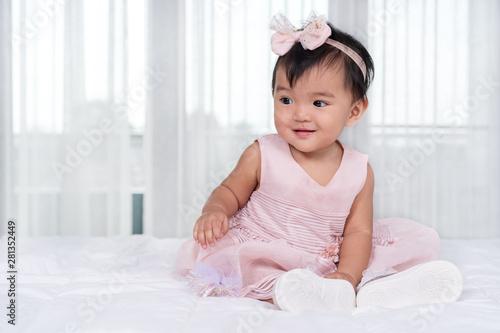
{"x":300,"y":289}
{"x":433,"y":282}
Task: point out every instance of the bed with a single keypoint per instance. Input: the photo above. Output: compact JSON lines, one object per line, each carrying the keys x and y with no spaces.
{"x":128,"y":284}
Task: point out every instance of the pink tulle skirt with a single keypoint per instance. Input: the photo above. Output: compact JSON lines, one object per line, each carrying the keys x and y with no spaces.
{"x":243,"y":266}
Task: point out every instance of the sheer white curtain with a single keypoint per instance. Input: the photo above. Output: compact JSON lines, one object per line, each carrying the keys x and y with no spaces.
{"x":78,"y":78}
{"x":434,"y":114}
{"x":67,"y":140}
{"x":163,"y":136}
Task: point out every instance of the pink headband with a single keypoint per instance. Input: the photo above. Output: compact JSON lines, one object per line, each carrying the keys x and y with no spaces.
{"x":314,"y":35}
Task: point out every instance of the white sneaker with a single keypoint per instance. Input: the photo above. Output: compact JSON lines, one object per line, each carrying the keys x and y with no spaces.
{"x":301,"y":289}
{"x":433,"y":282}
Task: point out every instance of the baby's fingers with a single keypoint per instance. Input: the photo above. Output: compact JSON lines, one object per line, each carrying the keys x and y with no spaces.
{"x":201,"y":237}
{"x":209,"y":233}
{"x":199,"y":233}
{"x":219,"y":230}
{"x":225,"y":226}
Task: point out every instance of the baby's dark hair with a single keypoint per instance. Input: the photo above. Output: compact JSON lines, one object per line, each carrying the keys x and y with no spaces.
{"x":299,"y":61}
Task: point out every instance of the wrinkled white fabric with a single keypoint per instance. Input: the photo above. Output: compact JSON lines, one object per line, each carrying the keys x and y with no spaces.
{"x":132,"y":283}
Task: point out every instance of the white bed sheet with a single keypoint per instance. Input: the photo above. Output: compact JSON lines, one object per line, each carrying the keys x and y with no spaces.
{"x":128,"y":284}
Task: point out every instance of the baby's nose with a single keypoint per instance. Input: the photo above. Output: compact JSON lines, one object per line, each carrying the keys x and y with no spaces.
{"x":301,"y":114}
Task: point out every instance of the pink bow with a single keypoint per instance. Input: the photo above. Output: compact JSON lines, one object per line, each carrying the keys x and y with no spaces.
{"x":314,"y":34}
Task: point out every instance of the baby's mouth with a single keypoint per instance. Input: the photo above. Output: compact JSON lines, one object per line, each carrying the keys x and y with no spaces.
{"x":303,"y":132}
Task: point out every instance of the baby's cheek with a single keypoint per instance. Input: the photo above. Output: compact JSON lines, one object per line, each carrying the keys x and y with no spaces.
{"x":278,"y":122}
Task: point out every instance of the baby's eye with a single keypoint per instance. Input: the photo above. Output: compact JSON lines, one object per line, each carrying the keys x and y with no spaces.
{"x":319,"y":103}
{"x":286,"y":100}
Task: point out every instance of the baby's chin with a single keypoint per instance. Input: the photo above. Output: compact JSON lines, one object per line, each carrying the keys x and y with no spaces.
{"x":317,"y":150}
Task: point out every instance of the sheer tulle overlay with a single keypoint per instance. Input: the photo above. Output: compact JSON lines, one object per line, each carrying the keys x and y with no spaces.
{"x":291,"y":222}
{"x":398,"y":244}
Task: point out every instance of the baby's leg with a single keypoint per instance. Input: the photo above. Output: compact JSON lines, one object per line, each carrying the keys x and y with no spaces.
{"x":432,"y":282}
{"x":404,"y":268}
{"x":186,"y":256}
{"x":399,"y":244}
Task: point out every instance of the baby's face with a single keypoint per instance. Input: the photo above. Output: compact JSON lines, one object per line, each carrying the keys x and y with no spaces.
{"x":311,"y":115}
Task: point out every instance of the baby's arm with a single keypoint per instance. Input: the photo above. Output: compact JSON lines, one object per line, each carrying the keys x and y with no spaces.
{"x":357,"y":243}
{"x":226,"y":199}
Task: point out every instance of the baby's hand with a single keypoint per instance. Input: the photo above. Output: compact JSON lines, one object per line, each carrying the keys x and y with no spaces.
{"x":343,"y":276}
{"x":211,"y":226}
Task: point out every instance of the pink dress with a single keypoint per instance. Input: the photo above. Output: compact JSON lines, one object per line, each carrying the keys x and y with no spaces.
{"x":291,"y":222}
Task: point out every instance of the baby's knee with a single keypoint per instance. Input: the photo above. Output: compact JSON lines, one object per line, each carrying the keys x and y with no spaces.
{"x":186,"y":256}
{"x":431,"y":243}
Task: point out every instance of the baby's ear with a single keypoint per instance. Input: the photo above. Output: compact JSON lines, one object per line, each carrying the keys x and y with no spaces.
{"x":358,"y":109}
